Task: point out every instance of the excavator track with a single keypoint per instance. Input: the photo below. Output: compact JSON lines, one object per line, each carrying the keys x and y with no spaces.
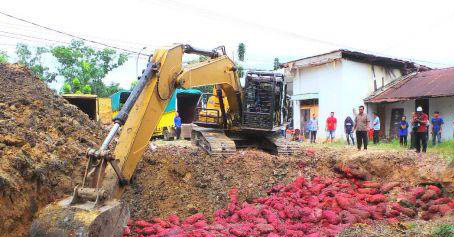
{"x":213,"y":141}
{"x":280,"y":145}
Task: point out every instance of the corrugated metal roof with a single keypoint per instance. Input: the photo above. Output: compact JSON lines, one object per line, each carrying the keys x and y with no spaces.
{"x":408,"y":66}
{"x":432,"y":83}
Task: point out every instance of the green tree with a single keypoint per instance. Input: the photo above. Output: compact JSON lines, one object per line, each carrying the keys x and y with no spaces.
{"x":241,"y":51}
{"x":277,"y":64}
{"x":111,"y":88}
{"x":76,"y":84}
{"x":89,"y":65}
{"x":240,"y":70}
{"x":3,"y":57}
{"x":67,"y":88}
{"x":86,"y":89}
{"x":33,"y":60}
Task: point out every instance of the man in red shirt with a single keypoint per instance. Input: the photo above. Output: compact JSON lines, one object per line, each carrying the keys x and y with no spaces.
{"x":420,"y":121}
{"x":331,"y":124}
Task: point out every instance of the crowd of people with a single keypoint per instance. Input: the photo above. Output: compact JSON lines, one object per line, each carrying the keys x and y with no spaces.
{"x":361,"y":127}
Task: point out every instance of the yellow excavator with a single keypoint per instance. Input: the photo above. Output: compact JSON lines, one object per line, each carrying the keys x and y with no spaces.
{"x":233,"y":116}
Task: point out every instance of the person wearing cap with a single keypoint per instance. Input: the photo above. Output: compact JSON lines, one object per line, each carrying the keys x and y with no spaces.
{"x":420,"y":122}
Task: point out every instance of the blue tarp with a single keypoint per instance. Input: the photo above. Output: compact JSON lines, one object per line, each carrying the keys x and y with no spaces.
{"x":172,"y":103}
{"x":121,"y":97}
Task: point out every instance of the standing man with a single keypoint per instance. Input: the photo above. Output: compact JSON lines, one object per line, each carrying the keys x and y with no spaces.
{"x":420,"y":121}
{"x":177,"y":123}
{"x":403,"y":131}
{"x":331,"y":124}
{"x":376,"y":127}
{"x":437,"y":123}
{"x":313,"y":127}
{"x":348,"y":127}
{"x":361,"y":127}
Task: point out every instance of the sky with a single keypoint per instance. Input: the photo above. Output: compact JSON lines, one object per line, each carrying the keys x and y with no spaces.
{"x":419,"y":31}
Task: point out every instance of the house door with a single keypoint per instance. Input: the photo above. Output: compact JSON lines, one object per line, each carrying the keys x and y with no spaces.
{"x":305,"y":116}
{"x":396,"y":117}
{"x":424,"y":103}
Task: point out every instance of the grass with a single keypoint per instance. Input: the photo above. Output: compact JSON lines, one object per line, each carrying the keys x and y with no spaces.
{"x":444,"y":230}
{"x":446,"y":149}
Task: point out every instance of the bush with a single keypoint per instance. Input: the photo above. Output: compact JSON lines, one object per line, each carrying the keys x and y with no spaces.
{"x":86,"y":89}
{"x":67,"y":88}
{"x":444,"y":230}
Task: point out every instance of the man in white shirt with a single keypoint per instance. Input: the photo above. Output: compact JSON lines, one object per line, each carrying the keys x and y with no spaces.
{"x":376,"y":127}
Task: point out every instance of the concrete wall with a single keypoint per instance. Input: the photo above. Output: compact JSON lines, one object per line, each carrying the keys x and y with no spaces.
{"x":445,"y":105}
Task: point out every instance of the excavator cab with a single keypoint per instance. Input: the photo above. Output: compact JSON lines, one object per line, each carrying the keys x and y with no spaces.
{"x":264,"y":101}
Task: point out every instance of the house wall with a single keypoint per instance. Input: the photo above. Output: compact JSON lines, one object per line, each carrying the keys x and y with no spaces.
{"x":444,"y":105}
{"x":321,"y":80}
{"x":359,"y":83}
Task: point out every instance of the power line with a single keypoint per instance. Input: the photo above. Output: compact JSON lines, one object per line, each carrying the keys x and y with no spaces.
{"x":29,"y":29}
{"x":67,"y":34}
{"x":40,"y":32}
{"x":219,"y":16}
{"x":33,"y":37}
{"x":39,"y":39}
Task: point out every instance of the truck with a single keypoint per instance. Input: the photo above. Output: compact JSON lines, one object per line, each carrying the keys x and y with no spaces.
{"x":183,"y":101}
{"x":97,"y":109}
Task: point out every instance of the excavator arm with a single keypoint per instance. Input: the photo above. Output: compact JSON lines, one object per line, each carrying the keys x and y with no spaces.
{"x":95,"y":208}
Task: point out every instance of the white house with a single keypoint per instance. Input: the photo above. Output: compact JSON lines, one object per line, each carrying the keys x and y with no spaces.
{"x":338,"y":82}
{"x":433,"y":90}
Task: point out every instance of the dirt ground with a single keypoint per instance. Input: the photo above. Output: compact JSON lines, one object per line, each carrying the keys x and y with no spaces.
{"x":42,"y":144}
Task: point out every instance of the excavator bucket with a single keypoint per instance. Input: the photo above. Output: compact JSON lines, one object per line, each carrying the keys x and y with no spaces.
{"x":83,"y":220}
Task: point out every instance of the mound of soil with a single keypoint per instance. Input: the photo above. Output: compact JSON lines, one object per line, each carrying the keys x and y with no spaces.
{"x":176,"y":180}
{"x":42,"y":144}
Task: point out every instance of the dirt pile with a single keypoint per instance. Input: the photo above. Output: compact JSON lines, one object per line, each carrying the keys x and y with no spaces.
{"x":402,"y":166}
{"x":175,"y":180}
{"x":42,"y":142}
